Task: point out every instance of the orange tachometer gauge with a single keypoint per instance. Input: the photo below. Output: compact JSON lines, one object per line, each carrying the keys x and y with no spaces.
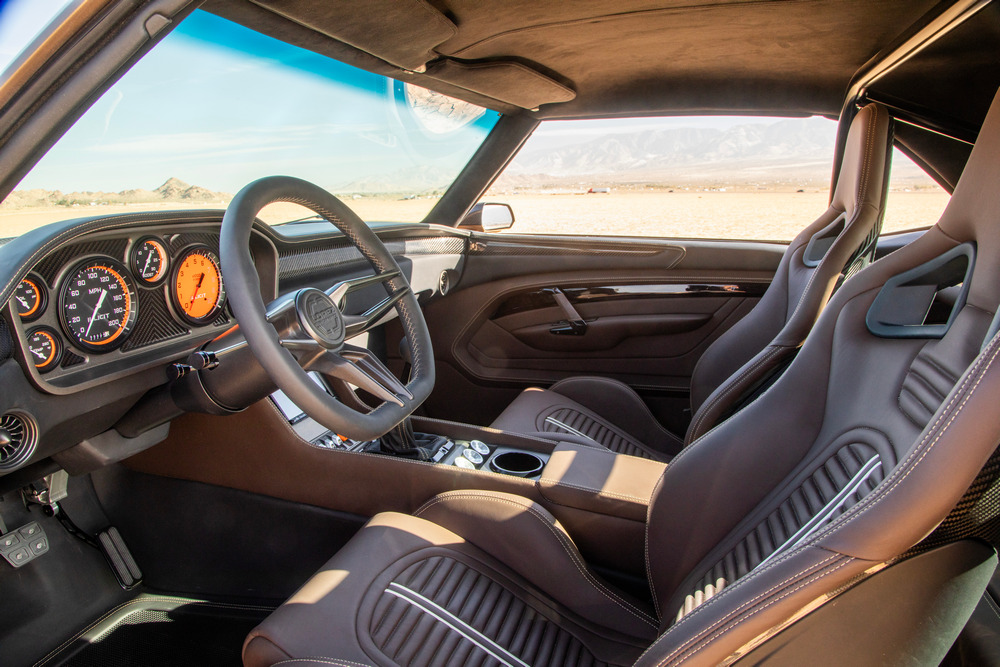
{"x":149,"y":260}
{"x":98,"y":305}
{"x":198,"y":291}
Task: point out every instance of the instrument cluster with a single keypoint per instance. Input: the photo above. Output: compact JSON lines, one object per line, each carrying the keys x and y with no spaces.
{"x":92,"y":301}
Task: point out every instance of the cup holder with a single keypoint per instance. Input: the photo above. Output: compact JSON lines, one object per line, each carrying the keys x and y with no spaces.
{"x":519,"y":464}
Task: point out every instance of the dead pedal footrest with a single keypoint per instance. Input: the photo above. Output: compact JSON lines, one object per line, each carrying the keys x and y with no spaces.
{"x":119,"y":557}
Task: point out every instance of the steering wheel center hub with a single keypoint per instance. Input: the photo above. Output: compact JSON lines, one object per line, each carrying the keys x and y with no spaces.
{"x":320,"y":318}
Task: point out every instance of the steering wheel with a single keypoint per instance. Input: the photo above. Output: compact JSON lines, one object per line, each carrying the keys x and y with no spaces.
{"x":306,"y":331}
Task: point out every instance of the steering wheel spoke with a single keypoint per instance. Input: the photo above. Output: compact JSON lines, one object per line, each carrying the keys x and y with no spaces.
{"x":362,"y":369}
{"x":340,"y":291}
{"x":358,"y":324}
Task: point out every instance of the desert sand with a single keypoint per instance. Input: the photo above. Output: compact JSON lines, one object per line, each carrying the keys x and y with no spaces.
{"x":733,"y":215}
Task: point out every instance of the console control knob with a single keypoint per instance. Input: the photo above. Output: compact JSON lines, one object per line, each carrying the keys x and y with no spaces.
{"x":473,"y":456}
{"x":480,"y":447}
{"x":464,"y":463}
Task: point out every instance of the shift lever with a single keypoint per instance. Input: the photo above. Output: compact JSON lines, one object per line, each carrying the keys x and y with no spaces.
{"x":402,"y":441}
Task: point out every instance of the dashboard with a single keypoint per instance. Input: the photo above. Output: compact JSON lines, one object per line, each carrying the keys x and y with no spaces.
{"x":100,"y":309}
{"x":116,"y":302}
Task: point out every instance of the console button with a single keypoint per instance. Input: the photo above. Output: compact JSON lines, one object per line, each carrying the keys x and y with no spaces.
{"x":473,"y":456}
{"x":480,"y":447}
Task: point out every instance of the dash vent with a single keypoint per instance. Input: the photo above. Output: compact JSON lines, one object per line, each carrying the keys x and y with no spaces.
{"x":17,"y":440}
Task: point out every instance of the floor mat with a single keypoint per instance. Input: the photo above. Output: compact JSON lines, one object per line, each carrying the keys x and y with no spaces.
{"x":160,"y":632}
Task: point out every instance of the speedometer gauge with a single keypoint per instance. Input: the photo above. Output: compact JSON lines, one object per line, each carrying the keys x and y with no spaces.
{"x":98,"y":305}
{"x":198,"y":290}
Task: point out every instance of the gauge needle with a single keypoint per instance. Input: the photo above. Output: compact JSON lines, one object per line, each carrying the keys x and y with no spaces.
{"x":97,"y":309}
{"x":149,"y":257}
{"x":197,"y":287}
{"x":23,"y":302}
{"x":40,"y":355}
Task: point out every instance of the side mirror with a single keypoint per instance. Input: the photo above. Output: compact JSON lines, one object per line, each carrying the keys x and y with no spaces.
{"x":488,"y":218}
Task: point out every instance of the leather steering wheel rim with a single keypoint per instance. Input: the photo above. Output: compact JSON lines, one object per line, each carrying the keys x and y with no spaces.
{"x":243,"y":290}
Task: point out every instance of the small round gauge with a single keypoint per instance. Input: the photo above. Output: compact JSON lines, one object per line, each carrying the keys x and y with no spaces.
{"x":98,"y":305}
{"x":30,"y":298}
{"x":44,"y":349}
{"x":198,"y":290}
{"x":149,"y":260}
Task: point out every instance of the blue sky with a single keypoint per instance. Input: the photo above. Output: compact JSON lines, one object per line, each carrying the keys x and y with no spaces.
{"x":220,"y":117}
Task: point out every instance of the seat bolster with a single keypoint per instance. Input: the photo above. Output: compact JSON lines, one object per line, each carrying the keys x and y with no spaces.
{"x":729,"y":392}
{"x":631,"y":430}
{"x":321,"y":616}
{"x":525,"y":537}
{"x":612,"y":397}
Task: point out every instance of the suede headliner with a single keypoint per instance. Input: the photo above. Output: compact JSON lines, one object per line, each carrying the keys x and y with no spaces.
{"x":626,"y":57}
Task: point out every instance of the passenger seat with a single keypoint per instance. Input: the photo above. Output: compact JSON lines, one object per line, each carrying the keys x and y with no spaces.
{"x":746,"y":358}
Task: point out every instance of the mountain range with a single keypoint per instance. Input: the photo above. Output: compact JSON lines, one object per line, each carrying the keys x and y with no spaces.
{"x":172,"y":190}
{"x":799,"y":147}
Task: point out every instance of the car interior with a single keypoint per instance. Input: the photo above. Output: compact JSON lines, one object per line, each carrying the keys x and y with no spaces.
{"x":433,"y":439}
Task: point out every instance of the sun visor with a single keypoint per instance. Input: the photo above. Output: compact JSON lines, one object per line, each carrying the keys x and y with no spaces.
{"x":400,"y":32}
{"x":504,"y":81}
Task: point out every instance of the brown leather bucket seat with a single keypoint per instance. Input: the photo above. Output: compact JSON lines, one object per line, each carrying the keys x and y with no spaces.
{"x":853,"y":456}
{"x":842,"y":240}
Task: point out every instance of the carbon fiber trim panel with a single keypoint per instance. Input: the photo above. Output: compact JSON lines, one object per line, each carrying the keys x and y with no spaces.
{"x":299,"y":263}
{"x":155,"y":324}
{"x":71,"y":359}
{"x":560,"y":247}
{"x":6,"y":341}
{"x":49,"y":267}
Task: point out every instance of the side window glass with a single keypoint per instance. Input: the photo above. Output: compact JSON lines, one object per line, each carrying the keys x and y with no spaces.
{"x":914,"y":199}
{"x":725,"y":177}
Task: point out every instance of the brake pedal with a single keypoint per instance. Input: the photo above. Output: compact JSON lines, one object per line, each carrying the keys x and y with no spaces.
{"x":119,"y":557}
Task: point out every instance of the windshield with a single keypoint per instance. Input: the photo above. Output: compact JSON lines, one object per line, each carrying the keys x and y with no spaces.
{"x":215,"y":106}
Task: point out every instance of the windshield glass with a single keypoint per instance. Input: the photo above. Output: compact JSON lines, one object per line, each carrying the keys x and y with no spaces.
{"x":715,"y":177}
{"x":215,"y":106}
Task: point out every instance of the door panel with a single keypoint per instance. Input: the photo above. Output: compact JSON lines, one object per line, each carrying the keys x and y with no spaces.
{"x":648,"y":308}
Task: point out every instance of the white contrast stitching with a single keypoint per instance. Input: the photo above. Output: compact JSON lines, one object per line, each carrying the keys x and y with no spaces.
{"x":563,"y":540}
{"x":705,"y":641}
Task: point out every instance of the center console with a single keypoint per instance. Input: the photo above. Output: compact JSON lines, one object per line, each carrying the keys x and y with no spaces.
{"x":477,"y":452}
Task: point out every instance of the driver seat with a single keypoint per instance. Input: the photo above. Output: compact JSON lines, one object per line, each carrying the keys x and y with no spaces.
{"x":850,"y":459}
{"x":841,"y":241}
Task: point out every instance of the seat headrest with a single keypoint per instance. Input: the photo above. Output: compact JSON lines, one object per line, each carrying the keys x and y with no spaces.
{"x":861,"y":176}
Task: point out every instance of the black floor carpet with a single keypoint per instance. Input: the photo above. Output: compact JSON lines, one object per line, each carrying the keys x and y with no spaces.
{"x":156,"y":638}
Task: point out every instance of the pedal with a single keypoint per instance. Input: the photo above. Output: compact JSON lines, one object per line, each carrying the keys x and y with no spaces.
{"x":119,"y":557}
{"x":19,"y":547}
